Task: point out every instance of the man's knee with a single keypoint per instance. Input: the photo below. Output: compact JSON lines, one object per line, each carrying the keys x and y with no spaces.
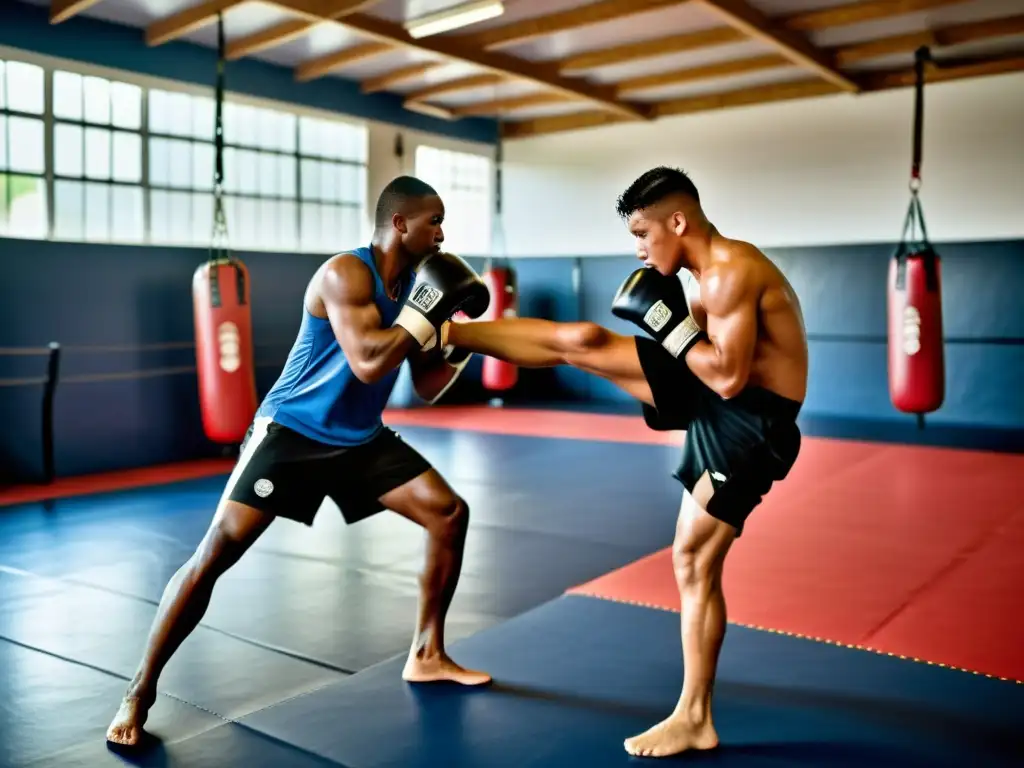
{"x":447,"y":514}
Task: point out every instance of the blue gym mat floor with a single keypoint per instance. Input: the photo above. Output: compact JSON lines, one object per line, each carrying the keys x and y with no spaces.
{"x":297,"y":661}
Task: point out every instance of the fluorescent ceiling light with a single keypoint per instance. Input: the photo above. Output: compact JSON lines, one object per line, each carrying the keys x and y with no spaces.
{"x":454,"y":18}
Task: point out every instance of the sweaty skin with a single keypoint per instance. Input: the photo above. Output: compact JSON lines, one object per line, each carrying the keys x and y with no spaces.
{"x":742,"y":301}
{"x":756,"y":337}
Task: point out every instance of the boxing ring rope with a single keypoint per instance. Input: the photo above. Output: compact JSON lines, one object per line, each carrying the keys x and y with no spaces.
{"x":55,"y":352}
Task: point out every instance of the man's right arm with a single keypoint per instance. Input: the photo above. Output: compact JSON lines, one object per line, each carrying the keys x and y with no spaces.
{"x":372,"y":351}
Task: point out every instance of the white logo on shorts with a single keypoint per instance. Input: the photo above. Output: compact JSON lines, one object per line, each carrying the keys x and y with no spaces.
{"x":425,"y":297}
{"x":718,"y":476}
{"x":657,"y":316}
{"x":263,"y":488}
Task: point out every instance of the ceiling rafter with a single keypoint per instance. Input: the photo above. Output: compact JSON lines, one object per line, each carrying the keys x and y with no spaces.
{"x":279,"y":34}
{"x":811,"y":21}
{"x":873,"y":82}
{"x":62,"y":10}
{"x":792,"y":45}
{"x":506,"y":105}
{"x":454,"y":86}
{"x":705,"y":72}
{"x":318,"y":67}
{"x":400,"y":75}
{"x":544,"y":75}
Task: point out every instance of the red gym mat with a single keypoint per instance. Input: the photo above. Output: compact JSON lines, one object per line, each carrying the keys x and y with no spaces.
{"x":906,"y":550}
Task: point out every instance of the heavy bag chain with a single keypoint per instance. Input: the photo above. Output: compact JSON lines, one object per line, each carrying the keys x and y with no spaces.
{"x":917,"y":244}
{"x":220,"y":252}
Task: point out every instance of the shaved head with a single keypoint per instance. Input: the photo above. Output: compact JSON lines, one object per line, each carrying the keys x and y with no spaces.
{"x":405,"y":195}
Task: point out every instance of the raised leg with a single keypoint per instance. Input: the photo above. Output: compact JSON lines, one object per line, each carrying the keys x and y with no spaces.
{"x":430,"y":502}
{"x":533,"y":343}
{"x":698,"y":555}
{"x":233,"y":530}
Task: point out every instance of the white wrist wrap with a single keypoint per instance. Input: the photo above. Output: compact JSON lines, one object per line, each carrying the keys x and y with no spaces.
{"x":455,"y":374}
{"x":421,"y":329}
{"x":680,"y":337}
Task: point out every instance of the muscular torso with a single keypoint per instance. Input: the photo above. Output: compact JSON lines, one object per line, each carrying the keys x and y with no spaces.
{"x":780,"y":353}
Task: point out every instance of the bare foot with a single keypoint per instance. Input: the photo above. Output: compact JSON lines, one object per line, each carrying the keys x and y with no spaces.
{"x":126,"y":727}
{"x":441,"y":668}
{"x":671,"y":736}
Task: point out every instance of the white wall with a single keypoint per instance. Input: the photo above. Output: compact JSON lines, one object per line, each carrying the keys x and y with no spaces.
{"x":831,"y":170}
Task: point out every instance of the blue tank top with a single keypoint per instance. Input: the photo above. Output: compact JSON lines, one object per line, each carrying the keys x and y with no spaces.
{"x":317,"y":394}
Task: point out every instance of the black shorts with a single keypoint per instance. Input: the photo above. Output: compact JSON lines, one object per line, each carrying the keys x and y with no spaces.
{"x":745,"y":443}
{"x":286,"y":474}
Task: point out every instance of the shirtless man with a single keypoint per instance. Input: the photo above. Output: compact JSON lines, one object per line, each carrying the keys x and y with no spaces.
{"x":726,"y":361}
{"x":319,"y":433}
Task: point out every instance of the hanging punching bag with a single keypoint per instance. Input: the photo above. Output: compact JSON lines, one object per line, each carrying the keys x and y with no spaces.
{"x":224,"y":349}
{"x":498,"y":375}
{"x":916,"y":355}
{"x":220,"y":302}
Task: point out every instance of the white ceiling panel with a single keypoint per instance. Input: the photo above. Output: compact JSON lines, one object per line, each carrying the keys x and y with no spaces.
{"x":675,"y":61}
{"x":674,"y":20}
{"x":723,"y":84}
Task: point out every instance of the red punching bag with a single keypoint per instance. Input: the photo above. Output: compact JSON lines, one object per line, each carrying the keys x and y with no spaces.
{"x":224,"y":349}
{"x":916,"y":356}
{"x":916,"y":359}
{"x":498,"y":375}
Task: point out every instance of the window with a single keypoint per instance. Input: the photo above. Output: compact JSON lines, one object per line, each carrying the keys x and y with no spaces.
{"x":464,"y":182}
{"x":86,"y":158}
{"x":97,"y":159}
{"x":23,"y":206}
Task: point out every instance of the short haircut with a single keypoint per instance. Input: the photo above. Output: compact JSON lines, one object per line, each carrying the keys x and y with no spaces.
{"x":653,"y":187}
{"x":397,"y":196}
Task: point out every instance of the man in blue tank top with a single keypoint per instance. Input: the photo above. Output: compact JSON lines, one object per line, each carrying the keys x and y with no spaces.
{"x":319,"y":432}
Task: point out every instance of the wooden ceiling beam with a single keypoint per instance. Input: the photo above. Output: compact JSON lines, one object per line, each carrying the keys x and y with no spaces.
{"x":454,"y":86}
{"x":322,"y":65}
{"x":190,"y":19}
{"x":279,"y":34}
{"x":744,"y":17}
{"x":839,"y":16}
{"x":563,"y":21}
{"x":506,"y":105}
{"x":62,"y":10}
{"x":935,"y":72}
{"x":859,"y":12}
{"x":939,"y":72}
{"x":557,"y":124}
{"x":648,"y":49}
{"x":706,"y":72}
{"x":400,"y":75}
{"x":543,"y":74}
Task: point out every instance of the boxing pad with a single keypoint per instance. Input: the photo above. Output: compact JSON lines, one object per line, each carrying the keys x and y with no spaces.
{"x":916,"y":359}
{"x":499,"y":375}
{"x":224,"y":349}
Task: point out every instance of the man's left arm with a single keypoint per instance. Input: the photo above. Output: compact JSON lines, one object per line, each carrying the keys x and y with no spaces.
{"x":723,"y":360}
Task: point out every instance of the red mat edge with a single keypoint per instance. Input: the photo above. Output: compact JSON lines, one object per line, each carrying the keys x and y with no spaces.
{"x":121,"y":480}
{"x":580,"y":591}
